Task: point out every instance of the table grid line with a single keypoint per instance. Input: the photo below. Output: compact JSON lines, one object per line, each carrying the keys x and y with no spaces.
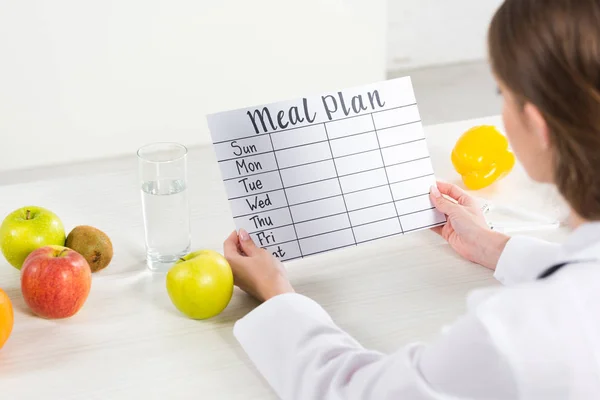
{"x":411,"y":179}
{"x":316,"y":219}
{"x":386,"y":175}
{"x":385,"y":166}
{"x":311,"y":182}
{"x":379,"y":147}
{"x":357,"y":153}
{"x":373,"y":130}
{"x":307,"y":237}
{"x":416,"y":212}
{"x":329,"y":179}
{"x":341,"y":229}
{"x":382,"y":237}
{"x":255,"y":194}
{"x":277,"y":227}
{"x":324,"y":141}
{"x":313,"y":201}
{"x":246,"y":156}
{"x":285,"y":194}
{"x":349,"y":211}
{"x":336,"y":195}
{"x":276,"y":243}
{"x":328,"y":250}
{"x":293,"y":258}
{"x":350,"y":245}
{"x":403,"y":143}
{"x":427,"y":227}
{"x":340,"y":184}
{"x":329,"y":159}
{"x":249,"y":175}
{"x":351,"y":135}
{"x":372,"y":206}
{"x":387,"y":202}
{"x":413,"y":197}
{"x":299,"y":239}
{"x":315,"y":124}
{"x":376,"y":221}
{"x":325,"y":233}
{"x":399,"y":125}
{"x":256,"y":212}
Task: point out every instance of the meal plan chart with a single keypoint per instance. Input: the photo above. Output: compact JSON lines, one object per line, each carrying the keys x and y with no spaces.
{"x":326,"y":172}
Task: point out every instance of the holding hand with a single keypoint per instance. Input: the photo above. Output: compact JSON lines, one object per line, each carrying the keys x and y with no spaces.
{"x":467,"y":231}
{"x":255,"y":270}
{"x":263,"y":276}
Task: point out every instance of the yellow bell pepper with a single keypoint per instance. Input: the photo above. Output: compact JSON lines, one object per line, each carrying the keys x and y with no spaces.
{"x":481,"y":156}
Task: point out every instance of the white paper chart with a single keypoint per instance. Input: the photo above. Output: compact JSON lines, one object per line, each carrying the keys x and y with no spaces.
{"x":326,"y":172}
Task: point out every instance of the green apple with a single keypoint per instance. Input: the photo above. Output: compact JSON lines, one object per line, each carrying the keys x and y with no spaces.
{"x":200,"y":284}
{"x":27,"y":229}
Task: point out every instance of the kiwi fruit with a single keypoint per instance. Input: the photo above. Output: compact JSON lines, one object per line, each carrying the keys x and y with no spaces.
{"x":93,"y":244}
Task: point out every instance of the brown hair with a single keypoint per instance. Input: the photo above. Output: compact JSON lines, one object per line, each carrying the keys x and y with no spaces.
{"x":547,"y":53}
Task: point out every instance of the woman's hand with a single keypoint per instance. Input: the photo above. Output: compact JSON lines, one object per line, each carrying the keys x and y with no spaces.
{"x":467,"y":231}
{"x":255,"y":270}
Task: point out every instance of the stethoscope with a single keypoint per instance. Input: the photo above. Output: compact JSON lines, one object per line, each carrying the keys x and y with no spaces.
{"x":538,"y":222}
{"x":554,"y":269}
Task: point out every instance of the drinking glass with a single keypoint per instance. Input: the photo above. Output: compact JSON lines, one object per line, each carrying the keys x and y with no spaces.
{"x":165,"y":204}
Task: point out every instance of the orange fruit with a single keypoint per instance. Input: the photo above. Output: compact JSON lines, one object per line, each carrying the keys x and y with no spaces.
{"x":6,"y":317}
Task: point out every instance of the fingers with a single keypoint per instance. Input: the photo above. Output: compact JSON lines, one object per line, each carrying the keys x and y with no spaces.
{"x":442,"y":204}
{"x":444,"y":231}
{"x":447,"y":231}
{"x":239,"y":245}
{"x":247,"y":243}
{"x":230,"y":246}
{"x":456,"y":193}
{"x":438,"y":229}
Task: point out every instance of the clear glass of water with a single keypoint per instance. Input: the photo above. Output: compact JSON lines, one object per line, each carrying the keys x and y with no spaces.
{"x":163,"y":179}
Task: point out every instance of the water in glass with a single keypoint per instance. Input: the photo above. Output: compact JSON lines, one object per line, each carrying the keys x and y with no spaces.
{"x":166,"y":217}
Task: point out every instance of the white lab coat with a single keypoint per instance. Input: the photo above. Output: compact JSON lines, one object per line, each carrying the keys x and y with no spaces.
{"x":531,"y":339}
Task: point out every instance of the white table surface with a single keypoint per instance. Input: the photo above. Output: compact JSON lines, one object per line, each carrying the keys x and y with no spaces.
{"x":129,"y":341}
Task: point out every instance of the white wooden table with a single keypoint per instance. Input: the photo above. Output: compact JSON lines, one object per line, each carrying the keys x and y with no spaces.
{"x":129,"y":342}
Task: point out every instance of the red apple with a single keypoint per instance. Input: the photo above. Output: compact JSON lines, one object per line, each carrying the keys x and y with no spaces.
{"x":55,"y":281}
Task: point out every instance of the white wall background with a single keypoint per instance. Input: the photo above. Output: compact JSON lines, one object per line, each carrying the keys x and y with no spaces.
{"x":86,"y":79}
{"x":432,"y":32}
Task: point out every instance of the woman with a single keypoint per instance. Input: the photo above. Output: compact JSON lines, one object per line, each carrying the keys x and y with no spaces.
{"x":536,"y":338}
